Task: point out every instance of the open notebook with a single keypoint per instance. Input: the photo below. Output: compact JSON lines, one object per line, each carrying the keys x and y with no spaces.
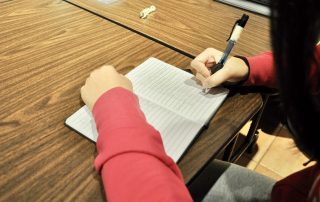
{"x":172,"y":102}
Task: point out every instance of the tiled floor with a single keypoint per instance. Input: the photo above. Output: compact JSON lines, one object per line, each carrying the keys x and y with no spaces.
{"x":275,"y":154}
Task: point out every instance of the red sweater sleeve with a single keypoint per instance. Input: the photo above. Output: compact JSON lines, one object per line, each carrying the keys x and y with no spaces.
{"x":131,"y":156}
{"x":262,"y":70}
{"x":301,"y":186}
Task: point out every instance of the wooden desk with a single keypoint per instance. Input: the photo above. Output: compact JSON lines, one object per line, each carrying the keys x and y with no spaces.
{"x":47,"y":49}
{"x":189,"y":26}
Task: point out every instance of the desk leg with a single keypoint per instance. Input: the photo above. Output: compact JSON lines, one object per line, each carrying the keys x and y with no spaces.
{"x":253,"y":128}
{"x":229,"y":149}
{"x":252,"y":135}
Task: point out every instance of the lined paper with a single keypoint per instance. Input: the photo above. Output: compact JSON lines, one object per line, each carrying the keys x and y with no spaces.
{"x":176,"y":131}
{"x":83,"y":122}
{"x":172,"y":102}
{"x":176,"y":90}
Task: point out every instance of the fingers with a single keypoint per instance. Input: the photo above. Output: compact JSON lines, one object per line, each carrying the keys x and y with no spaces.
{"x":100,"y":81}
{"x":85,"y":96}
{"x":210,"y":62}
{"x":96,"y":75}
{"x":200,"y":77}
{"x":234,"y":70}
{"x":200,"y":62}
{"x":109,"y":69}
{"x":82,"y":92}
{"x":104,"y":70}
{"x":216,"y":79}
{"x":200,"y":67}
{"x":205,"y":60}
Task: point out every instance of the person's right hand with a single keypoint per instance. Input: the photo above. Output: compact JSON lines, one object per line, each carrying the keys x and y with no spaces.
{"x":235,"y":69}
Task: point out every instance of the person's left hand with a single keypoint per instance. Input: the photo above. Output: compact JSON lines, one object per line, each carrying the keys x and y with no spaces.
{"x":100,"y":81}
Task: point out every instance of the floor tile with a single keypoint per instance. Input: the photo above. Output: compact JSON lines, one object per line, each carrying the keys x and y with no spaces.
{"x":283,"y":157}
{"x":246,"y":162}
{"x":244,"y":130}
{"x":265,"y":171}
{"x":262,"y":145}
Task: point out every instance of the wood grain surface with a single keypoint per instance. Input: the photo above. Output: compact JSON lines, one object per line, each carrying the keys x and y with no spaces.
{"x":47,"y":50}
{"x":230,"y":118}
{"x":187,"y":25}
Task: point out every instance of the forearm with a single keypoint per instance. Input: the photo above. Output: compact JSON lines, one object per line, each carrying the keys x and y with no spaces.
{"x":261,"y":70}
{"x":131,"y":157}
{"x":142,"y":177}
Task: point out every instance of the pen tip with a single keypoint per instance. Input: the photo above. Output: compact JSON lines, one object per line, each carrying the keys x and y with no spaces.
{"x":206,"y":90}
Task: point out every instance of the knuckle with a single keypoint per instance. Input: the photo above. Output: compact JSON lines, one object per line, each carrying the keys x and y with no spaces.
{"x":208,"y":50}
{"x":92,"y":74}
{"x":193,"y":63}
{"x":104,"y":67}
{"x":107,"y":67}
{"x":82,"y":91}
{"x":87,"y":80}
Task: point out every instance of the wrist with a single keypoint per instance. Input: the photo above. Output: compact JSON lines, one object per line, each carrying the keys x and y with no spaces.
{"x":109,"y":93}
{"x":243,"y":63}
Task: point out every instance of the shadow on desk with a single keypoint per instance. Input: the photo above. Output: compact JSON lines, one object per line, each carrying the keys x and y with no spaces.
{"x":273,"y":111}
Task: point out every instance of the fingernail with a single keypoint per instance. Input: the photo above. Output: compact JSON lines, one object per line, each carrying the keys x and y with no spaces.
{"x":211,"y":59}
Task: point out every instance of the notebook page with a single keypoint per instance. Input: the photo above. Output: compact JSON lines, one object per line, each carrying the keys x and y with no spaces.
{"x":175,"y":90}
{"x":176,"y":132}
{"x":83,"y":122}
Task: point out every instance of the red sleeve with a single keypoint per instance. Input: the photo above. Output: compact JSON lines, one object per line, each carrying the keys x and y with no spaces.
{"x":300,"y":186}
{"x":262,"y":70}
{"x":131,"y":156}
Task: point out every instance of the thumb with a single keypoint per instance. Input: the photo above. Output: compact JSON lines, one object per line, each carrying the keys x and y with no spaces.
{"x":210,"y":62}
{"x":216,"y":79}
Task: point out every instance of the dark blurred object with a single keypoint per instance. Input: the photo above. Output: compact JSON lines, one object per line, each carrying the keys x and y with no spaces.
{"x":273,"y":115}
{"x":256,"y":6}
{"x":263,"y":2}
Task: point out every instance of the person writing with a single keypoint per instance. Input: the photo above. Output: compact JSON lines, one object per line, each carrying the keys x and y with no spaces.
{"x":131,"y":157}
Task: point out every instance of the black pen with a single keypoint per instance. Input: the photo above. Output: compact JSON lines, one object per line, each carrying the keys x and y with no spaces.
{"x":233,"y":38}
